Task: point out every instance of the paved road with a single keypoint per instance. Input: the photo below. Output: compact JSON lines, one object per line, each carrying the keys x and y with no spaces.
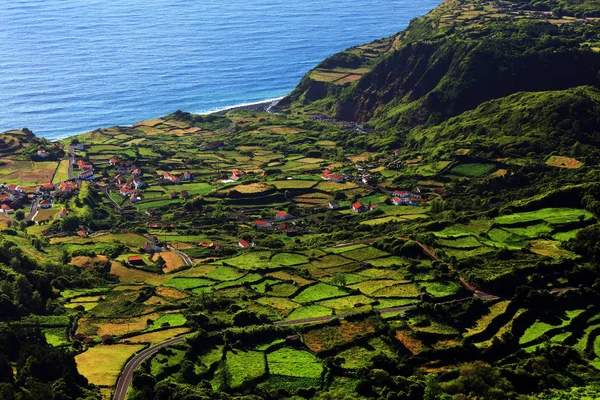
{"x":187,"y":260}
{"x":34,"y":210}
{"x":127,"y":375}
{"x":104,"y":190}
{"x":71,"y":150}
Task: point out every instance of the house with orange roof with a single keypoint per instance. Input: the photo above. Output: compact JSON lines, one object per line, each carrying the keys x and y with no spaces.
{"x":262,"y":224}
{"x":282,"y":215}
{"x":244,"y":244}
{"x":170,"y":178}
{"x":359,"y":207}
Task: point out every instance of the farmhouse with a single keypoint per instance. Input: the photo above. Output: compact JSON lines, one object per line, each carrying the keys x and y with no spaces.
{"x":187,"y":176}
{"x":6,"y":198}
{"x":134,"y":198}
{"x":333,"y":205}
{"x":46,"y":187}
{"x":137,"y":171}
{"x":359,"y":207}
{"x":87,"y":175}
{"x":113,"y":161}
{"x":243,"y":244}
{"x":67,"y":186}
{"x":137,"y":183}
{"x":6,"y":209}
{"x":152,"y":248}
{"x":282,"y":215}
{"x":262,"y":224}
{"x":84,"y":165}
{"x":135,"y":260}
{"x":328,"y":176}
{"x":170,"y":178}
{"x":236,"y":174}
{"x":62,"y":213}
{"x":42,"y":153}
{"x":401,"y":194}
{"x":45,"y":204}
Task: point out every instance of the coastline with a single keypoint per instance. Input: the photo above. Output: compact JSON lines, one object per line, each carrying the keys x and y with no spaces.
{"x":259,"y":106}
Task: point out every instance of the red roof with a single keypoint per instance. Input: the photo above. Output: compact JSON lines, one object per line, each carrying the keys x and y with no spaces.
{"x":243,"y":243}
{"x":47,"y":186}
{"x":281,"y":213}
{"x":237,"y":172}
{"x":81,"y":233}
{"x":134,"y":258}
{"x":357,"y":205}
{"x":5,"y":207}
{"x":63,"y":211}
{"x":396,"y":199}
{"x":113,"y":160}
{"x":261,"y":223}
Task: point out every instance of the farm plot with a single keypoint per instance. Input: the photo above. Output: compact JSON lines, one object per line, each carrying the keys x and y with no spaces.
{"x":168,"y":320}
{"x":473,"y":170}
{"x":312,"y":311}
{"x":293,"y":184}
{"x":564,"y":162}
{"x":550,"y":215}
{"x":539,"y":327}
{"x":289,"y":259}
{"x":188,"y":283}
{"x":365,"y":253}
{"x":101,"y":365}
{"x":62,"y":172}
{"x":244,"y":366}
{"x":157,"y":337}
{"x":253,"y":260}
{"x":329,"y":337}
{"x":465,"y":242}
{"x":403,"y":290}
{"x":360,"y":356}
{"x":294,"y":363}
{"x":28,"y":172}
{"x":317,"y":292}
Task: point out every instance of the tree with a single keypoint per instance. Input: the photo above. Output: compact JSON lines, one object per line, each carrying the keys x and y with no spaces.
{"x":20,"y":215}
{"x":339,"y":279}
{"x":160,"y":262}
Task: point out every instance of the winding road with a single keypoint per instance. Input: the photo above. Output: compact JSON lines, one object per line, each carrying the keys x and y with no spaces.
{"x":126,"y":377}
{"x":187,"y":260}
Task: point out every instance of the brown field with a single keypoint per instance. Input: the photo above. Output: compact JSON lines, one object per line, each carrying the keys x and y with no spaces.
{"x":413,"y":345}
{"x":122,"y":288}
{"x":331,"y":336}
{"x":149,"y":130}
{"x":564,"y":162}
{"x":322,"y":76}
{"x":177,"y":124}
{"x":550,"y":248}
{"x":86,"y":262}
{"x":157,"y":337}
{"x":131,"y":274}
{"x":155,"y":301}
{"x":102,"y":364}
{"x":348,"y":79}
{"x":282,"y":305}
{"x":170,"y":293}
{"x":28,"y":172}
{"x":172,"y":259}
{"x":501,"y":172}
{"x":113,"y":326}
{"x":309,"y":160}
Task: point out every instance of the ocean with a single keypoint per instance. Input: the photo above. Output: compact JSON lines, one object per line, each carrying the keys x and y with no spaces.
{"x":71,"y":66}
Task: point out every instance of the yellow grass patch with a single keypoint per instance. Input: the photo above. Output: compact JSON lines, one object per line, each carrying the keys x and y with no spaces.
{"x":462,"y":152}
{"x":46,"y":214}
{"x":361,"y":157}
{"x":172,"y":259}
{"x":550,"y":248}
{"x":311,"y":160}
{"x":330,"y":186}
{"x":252,"y":188}
{"x":500,"y":172}
{"x":151,"y":122}
{"x":102,"y":364}
{"x":149,"y":130}
{"x":280,"y":130}
{"x":564,"y":162}
{"x":157,"y":337}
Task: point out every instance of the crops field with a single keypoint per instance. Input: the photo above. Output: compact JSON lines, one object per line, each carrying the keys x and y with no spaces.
{"x":474,"y":170}
{"x":101,"y":365}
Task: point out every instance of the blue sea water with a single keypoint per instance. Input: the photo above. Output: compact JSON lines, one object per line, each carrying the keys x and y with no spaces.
{"x":70,"y":66}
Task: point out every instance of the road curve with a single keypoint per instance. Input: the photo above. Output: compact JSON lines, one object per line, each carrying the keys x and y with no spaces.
{"x":187,"y":260}
{"x":127,"y":374}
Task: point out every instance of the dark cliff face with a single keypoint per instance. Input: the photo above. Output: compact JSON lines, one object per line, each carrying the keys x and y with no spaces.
{"x":433,"y":76}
